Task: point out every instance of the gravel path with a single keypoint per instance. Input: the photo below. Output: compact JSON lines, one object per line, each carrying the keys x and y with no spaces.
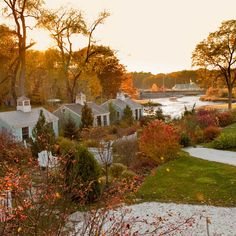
{"x":144,"y":218}
{"x":209,"y":154}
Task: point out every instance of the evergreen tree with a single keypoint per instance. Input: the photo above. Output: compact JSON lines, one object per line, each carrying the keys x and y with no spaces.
{"x":81,"y":174}
{"x":113,"y":113}
{"x":159,"y":114}
{"x":128,"y":115}
{"x":70,"y":129}
{"x":43,"y":137}
{"x":87,"y":117}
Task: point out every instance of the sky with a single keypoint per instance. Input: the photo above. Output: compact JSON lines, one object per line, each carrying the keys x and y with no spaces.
{"x":155,"y":36}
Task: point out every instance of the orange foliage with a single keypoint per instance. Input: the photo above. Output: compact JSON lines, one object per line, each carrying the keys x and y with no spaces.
{"x":159,"y":141}
{"x":128,"y":87}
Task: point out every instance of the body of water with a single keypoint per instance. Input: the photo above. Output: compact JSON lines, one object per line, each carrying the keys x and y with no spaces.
{"x":176,"y":108}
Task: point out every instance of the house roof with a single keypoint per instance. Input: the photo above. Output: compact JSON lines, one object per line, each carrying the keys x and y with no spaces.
{"x":22,"y":98}
{"x":122,"y":103}
{"x":96,"y":109}
{"x":20,"y":119}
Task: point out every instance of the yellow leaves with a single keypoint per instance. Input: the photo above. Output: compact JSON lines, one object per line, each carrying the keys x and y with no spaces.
{"x":167,"y":169}
{"x":19,"y":229}
{"x":57,"y":195}
{"x":200,"y":197}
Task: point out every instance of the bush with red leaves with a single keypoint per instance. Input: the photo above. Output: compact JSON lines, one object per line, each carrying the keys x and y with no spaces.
{"x":159,"y":141}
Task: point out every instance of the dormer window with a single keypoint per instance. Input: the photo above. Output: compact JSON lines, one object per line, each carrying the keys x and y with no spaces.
{"x":23,"y":104}
{"x":27,"y":103}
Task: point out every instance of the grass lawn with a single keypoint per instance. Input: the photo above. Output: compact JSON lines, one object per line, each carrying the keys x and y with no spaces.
{"x":191,"y":180}
{"x":229,"y":129}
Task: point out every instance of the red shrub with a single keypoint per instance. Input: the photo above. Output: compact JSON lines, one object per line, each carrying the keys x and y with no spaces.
{"x":206,"y":118}
{"x":225,"y":118}
{"x":211,"y":133}
{"x":189,"y":125}
{"x":159,"y":141}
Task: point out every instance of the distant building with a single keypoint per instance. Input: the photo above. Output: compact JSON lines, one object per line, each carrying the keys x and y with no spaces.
{"x":190,"y":87}
{"x":21,"y":122}
{"x":120,"y":104}
{"x":74,"y":111}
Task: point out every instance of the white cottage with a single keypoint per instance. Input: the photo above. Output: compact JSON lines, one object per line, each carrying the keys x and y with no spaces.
{"x":74,"y":111}
{"x":120,"y":103}
{"x":21,"y":122}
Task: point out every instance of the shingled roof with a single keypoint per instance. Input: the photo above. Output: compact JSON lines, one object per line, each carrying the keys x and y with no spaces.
{"x":96,"y":110}
{"x":122,"y":103}
{"x":20,"y":119}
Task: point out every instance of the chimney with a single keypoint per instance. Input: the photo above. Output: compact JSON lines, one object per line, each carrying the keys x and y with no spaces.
{"x":120,"y":95}
{"x":23,"y":104}
{"x":80,"y":99}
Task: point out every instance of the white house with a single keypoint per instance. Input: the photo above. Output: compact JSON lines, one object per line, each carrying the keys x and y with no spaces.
{"x":74,"y":111}
{"x":21,"y":122}
{"x":190,"y":87}
{"x":120,"y":103}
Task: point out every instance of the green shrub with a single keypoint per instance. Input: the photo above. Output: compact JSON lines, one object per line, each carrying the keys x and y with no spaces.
{"x":225,"y":141}
{"x":185,"y":140}
{"x":70,"y":129}
{"x":233,"y":112}
{"x":66,"y":146}
{"x":43,"y":136}
{"x":117,"y":169}
{"x":81,"y":174}
{"x":128,"y":116}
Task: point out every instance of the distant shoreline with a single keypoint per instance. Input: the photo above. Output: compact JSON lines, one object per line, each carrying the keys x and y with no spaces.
{"x":215,"y":99}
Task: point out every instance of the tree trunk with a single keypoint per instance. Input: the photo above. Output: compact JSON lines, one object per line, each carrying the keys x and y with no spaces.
{"x":22,"y":73}
{"x":230,"y":91}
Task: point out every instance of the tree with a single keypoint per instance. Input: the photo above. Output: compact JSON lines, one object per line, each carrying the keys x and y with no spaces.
{"x":43,"y":137}
{"x":86,"y":117}
{"x":81,"y":173}
{"x":63,"y":25}
{"x":70,"y":129}
{"x":128,"y":115}
{"x":110,"y":71}
{"x":20,"y":10}
{"x":127,"y":85}
{"x":218,"y":51}
{"x":8,"y":63}
{"x":113,"y":113}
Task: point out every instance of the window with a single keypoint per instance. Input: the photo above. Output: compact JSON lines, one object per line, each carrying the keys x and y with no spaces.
{"x":26,"y":103}
{"x":20,"y":104}
{"x":136,"y":114}
{"x":118,"y":114}
{"x":25,"y":133}
{"x":105,"y":120}
{"x":140,"y":113}
{"x":99,"y":121}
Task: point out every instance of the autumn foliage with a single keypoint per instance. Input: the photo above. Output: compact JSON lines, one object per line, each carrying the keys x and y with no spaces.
{"x":159,"y":141}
